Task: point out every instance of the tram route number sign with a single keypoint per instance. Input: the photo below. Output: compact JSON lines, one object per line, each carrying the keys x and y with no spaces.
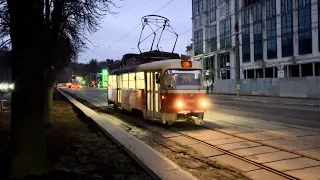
{"x":186,"y":64}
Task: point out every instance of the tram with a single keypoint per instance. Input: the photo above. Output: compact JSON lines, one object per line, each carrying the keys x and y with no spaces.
{"x":168,"y":91}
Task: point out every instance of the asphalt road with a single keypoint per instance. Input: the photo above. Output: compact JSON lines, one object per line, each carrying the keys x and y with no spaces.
{"x":252,"y":112}
{"x":289,"y":114}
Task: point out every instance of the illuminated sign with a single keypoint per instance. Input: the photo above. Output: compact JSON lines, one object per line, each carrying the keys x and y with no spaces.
{"x":186,"y":64}
{"x":105,"y":75}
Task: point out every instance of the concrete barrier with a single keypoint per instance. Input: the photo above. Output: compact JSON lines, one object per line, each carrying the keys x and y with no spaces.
{"x":298,"y":87}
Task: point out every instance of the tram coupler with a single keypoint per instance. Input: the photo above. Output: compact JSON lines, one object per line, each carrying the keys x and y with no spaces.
{"x":198,"y":122}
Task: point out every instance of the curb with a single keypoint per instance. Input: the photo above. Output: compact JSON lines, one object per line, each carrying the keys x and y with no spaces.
{"x":154,"y":163}
{"x":277,"y":102}
{"x":266,"y":101}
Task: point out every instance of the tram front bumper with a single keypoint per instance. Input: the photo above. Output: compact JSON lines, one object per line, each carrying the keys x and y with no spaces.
{"x":193,"y":116}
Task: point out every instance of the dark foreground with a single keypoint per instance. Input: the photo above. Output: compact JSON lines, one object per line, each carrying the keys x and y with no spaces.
{"x":76,"y":150}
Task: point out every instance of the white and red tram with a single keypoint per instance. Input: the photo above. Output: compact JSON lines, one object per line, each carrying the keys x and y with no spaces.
{"x":168,"y":90}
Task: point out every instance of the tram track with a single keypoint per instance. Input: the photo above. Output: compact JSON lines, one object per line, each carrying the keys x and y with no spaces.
{"x":262,"y":143}
{"x":150,"y":126}
{"x":240,"y":157}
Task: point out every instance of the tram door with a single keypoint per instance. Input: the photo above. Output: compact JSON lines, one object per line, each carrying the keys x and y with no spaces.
{"x":149,"y":84}
{"x":119,"y":87}
{"x":156,"y":95}
{"x":153,"y":103}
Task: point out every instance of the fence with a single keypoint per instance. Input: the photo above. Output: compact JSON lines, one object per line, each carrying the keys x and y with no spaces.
{"x":299,"y":87}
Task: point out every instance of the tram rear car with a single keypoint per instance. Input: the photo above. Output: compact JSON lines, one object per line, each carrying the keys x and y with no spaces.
{"x":168,"y":91}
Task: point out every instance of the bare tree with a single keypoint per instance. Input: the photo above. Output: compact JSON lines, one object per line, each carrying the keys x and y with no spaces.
{"x":73,"y":20}
{"x":37,"y":29}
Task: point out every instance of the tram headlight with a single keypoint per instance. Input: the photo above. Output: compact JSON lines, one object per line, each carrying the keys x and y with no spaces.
{"x":203,"y":103}
{"x":179,"y":104}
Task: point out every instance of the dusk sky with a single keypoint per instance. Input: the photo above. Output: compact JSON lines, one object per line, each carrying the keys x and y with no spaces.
{"x":106,"y":44}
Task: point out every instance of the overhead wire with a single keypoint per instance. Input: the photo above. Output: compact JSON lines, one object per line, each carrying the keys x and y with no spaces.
{"x":180,"y":34}
{"x":139,"y":24}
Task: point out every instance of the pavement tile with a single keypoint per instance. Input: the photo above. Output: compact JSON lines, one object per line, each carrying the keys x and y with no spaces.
{"x":227,"y":127}
{"x":205,"y":150}
{"x":213,"y":123}
{"x":266,"y":126}
{"x":222,"y":119}
{"x":168,"y":134}
{"x":312,"y":173}
{"x":261,"y":136}
{"x":225,"y":141}
{"x":315,"y":138}
{"x":254,"y":150}
{"x":196,"y":133}
{"x":238,"y":130}
{"x":234,"y":162}
{"x":305,"y":128}
{"x":315,"y":153}
{"x":293,"y":164}
{"x":273,"y":156}
{"x":183,"y":140}
{"x":239,"y":145}
{"x":228,"y":118}
{"x":207,"y":138}
{"x":294,"y":132}
{"x":212,"y":136}
{"x":263,"y":174}
{"x":292,"y":144}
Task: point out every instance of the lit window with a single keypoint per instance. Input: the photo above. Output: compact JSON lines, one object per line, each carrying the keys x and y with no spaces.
{"x":140,"y":80}
{"x":132,"y":82}
{"x":125,"y":81}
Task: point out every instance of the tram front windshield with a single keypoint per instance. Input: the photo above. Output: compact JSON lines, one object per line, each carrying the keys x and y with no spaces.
{"x":183,"y":79}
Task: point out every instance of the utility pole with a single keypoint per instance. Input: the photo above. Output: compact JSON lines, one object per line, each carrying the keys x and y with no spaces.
{"x":237,"y":59}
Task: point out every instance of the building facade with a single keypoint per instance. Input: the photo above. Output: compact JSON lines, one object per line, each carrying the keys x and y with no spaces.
{"x":278,"y":38}
{"x":189,"y":50}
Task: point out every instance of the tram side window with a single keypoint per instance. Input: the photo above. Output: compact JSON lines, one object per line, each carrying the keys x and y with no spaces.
{"x":113,"y":81}
{"x":119,"y":81}
{"x":125,"y":81}
{"x":110,"y":81}
{"x":132,"y":82}
{"x":140,"y":80}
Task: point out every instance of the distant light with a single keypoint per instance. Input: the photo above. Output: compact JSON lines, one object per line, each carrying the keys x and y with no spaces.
{"x":6,"y":86}
{"x":11,"y":86}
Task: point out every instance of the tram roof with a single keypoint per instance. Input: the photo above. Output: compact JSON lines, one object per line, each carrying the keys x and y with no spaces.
{"x":156,"y":65}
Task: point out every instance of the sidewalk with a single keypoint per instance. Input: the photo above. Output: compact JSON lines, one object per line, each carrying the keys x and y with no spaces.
{"x":275,"y":100}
